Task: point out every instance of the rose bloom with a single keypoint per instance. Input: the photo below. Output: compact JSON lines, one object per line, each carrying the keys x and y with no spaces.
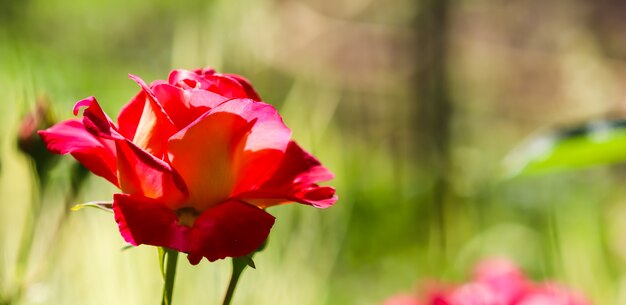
{"x":498,"y":281}
{"x":197,"y":159}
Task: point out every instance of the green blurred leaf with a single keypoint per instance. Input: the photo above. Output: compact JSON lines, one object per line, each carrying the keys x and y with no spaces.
{"x":593,"y":143}
{"x":105,"y":206}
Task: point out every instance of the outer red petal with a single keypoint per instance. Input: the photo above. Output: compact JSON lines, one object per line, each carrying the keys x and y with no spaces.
{"x":129,"y":116}
{"x":259,"y":152}
{"x":268,"y":130}
{"x":230,"y":229}
{"x":298,"y":167}
{"x":95,"y":120}
{"x":143,"y":220}
{"x":295,"y":180}
{"x":154,"y":126}
{"x":140,"y":173}
{"x":96,"y":154}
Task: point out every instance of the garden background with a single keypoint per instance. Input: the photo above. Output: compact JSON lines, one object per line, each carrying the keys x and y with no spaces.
{"x":419,"y":107}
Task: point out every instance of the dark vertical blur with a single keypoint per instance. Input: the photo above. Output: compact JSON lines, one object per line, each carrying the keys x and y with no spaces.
{"x":432,"y":110}
{"x":607,"y":21}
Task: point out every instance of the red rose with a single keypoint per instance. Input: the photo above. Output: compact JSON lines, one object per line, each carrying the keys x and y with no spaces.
{"x":197,"y":158}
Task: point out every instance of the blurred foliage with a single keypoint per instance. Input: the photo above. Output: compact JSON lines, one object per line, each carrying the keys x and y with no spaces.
{"x":413,"y":104}
{"x":595,"y":143}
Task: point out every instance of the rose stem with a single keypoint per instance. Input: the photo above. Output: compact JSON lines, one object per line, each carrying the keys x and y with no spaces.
{"x":170,"y":274}
{"x":239,"y":265}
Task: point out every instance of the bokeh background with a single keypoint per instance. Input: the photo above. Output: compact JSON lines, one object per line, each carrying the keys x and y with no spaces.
{"x":416,"y":107}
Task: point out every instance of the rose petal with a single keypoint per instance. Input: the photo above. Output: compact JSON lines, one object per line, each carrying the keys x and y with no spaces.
{"x":71,"y":137}
{"x":247,"y":86}
{"x":202,"y":155}
{"x":260,"y":150}
{"x":186,"y":79}
{"x":294,"y":180}
{"x":95,"y":120}
{"x":140,"y":173}
{"x":230,"y":229}
{"x":144,"y":220}
{"x":204,"y":72}
{"x":185,"y":106}
{"x":129,"y":116}
{"x":223,"y":85}
{"x":205,"y":99}
{"x":268,"y":131}
{"x":318,"y":196}
{"x":234,"y":145}
{"x":298,"y":167}
{"x":154,"y":126}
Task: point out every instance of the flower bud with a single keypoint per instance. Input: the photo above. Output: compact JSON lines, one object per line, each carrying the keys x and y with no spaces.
{"x":30,"y":143}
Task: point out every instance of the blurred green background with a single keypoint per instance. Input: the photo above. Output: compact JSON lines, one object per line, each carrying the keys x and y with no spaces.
{"x":416,"y":107}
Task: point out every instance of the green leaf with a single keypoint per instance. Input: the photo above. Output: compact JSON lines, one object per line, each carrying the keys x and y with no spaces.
{"x":248,"y":261}
{"x":101,"y":205}
{"x":127,"y":247}
{"x":590,"y":144}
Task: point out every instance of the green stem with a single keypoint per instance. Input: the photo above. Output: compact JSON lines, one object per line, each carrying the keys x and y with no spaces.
{"x":171,"y":257}
{"x":239,"y":264}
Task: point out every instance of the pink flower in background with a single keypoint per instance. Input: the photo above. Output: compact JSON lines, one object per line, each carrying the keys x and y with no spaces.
{"x":553,"y":294}
{"x":198,"y":158}
{"x":503,"y":278}
{"x":500,"y":282}
{"x":402,"y":300}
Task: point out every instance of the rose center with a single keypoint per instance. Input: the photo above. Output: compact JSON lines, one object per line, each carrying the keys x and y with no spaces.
{"x":190,"y":83}
{"x":187,"y":216}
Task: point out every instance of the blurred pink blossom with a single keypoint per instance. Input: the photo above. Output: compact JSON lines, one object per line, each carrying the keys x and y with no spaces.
{"x":496,"y":281}
{"x":404,"y":299}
